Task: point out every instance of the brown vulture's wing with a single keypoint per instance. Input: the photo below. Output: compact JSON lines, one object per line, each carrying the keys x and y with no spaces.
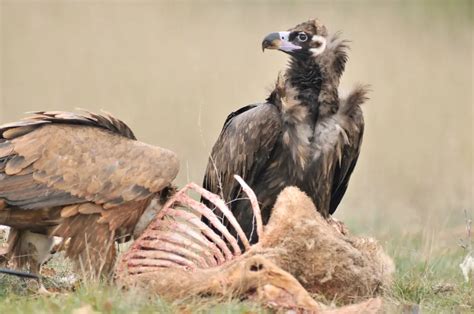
{"x":60,"y":158}
{"x":337,"y":141}
{"x":243,"y":147}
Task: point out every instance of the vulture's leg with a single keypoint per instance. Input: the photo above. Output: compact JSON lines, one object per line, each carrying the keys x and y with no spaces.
{"x":90,"y":244}
{"x":4,"y":231}
{"x":32,"y":249}
{"x":338,"y":225}
{"x":35,"y":268}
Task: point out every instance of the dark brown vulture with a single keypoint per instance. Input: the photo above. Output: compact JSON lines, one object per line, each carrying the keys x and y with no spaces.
{"x":82,"y":177}
{"x":303,"y":135}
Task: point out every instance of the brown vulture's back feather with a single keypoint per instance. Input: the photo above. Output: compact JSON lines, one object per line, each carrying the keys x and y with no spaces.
{"x":53,"y":160}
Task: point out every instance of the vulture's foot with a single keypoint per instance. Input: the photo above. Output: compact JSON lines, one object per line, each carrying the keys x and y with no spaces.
{"x":338,"y":225}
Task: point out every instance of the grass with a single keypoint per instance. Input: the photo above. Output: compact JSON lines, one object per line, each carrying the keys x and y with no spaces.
{"x":109,"y":299}
{"x":434,"y":284}
{"x":428,"y":279}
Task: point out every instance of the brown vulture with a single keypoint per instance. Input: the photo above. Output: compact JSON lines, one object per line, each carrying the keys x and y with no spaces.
{"x":303,"y":135}
{"x":82,"y":177}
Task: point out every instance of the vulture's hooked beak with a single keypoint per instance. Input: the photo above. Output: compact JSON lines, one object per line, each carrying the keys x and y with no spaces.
{"x":280,"y":41}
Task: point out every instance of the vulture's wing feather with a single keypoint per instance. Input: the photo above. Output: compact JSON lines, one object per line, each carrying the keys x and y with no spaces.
{"x":243,"y":147}
{"x":337,"y":145}
{"x":60,"y":158}
{"x":352,"y":122}
{"x":341,"y":178}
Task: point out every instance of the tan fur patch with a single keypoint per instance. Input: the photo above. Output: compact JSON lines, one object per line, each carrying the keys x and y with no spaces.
{"x":318,"y":255}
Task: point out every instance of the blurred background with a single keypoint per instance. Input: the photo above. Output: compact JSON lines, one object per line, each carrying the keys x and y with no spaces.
{"x":174,"y":70}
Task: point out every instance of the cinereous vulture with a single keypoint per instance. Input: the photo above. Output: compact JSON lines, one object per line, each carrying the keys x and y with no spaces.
{"x":304,"y":135}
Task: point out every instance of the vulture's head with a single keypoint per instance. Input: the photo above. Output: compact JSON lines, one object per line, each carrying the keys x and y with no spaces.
{"x":302,"y":41}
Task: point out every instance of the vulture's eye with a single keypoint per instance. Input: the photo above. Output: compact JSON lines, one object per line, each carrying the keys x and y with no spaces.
{"x":302,"y":37}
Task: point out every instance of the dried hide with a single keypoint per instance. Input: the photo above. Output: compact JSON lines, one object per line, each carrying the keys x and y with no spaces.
{"x":299,"y":253}
{"x":323,"y":259}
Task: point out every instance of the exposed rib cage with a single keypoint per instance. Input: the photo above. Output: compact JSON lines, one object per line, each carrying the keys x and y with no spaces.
{"x":178,"y":237}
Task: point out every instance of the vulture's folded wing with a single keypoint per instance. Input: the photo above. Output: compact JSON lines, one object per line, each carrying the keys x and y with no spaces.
{"x":337,"y":145}
{"x":243,"y":148}
{"x":351,"y":121}
{"x":60,"y":158}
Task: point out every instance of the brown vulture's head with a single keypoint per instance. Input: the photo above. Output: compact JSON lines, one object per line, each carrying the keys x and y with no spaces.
{"x":303,"y":40}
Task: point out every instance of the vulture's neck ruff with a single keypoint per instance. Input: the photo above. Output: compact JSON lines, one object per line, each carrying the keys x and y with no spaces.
{"x":296,"y":95}
{"x":305,"y":76}
{"x":311,"y":82}
{"x":310,"y":72}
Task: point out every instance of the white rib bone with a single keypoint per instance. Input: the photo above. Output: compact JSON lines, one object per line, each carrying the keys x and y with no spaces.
{"x":213,"y":198}
{"x":254,"y":202}
{"x":170,"y":247}
{"x":208,"y":232}
{"x":150,"y":268}
{"x":206,"y":212}
{"x":192,"y":231}
{"x":180,"y":240}
{"x":143,"y":257}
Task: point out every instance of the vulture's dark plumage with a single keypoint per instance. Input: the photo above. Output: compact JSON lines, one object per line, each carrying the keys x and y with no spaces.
{"x":303,"y":135}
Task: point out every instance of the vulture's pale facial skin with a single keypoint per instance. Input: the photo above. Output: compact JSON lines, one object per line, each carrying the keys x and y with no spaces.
{"x":298,"y":44}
